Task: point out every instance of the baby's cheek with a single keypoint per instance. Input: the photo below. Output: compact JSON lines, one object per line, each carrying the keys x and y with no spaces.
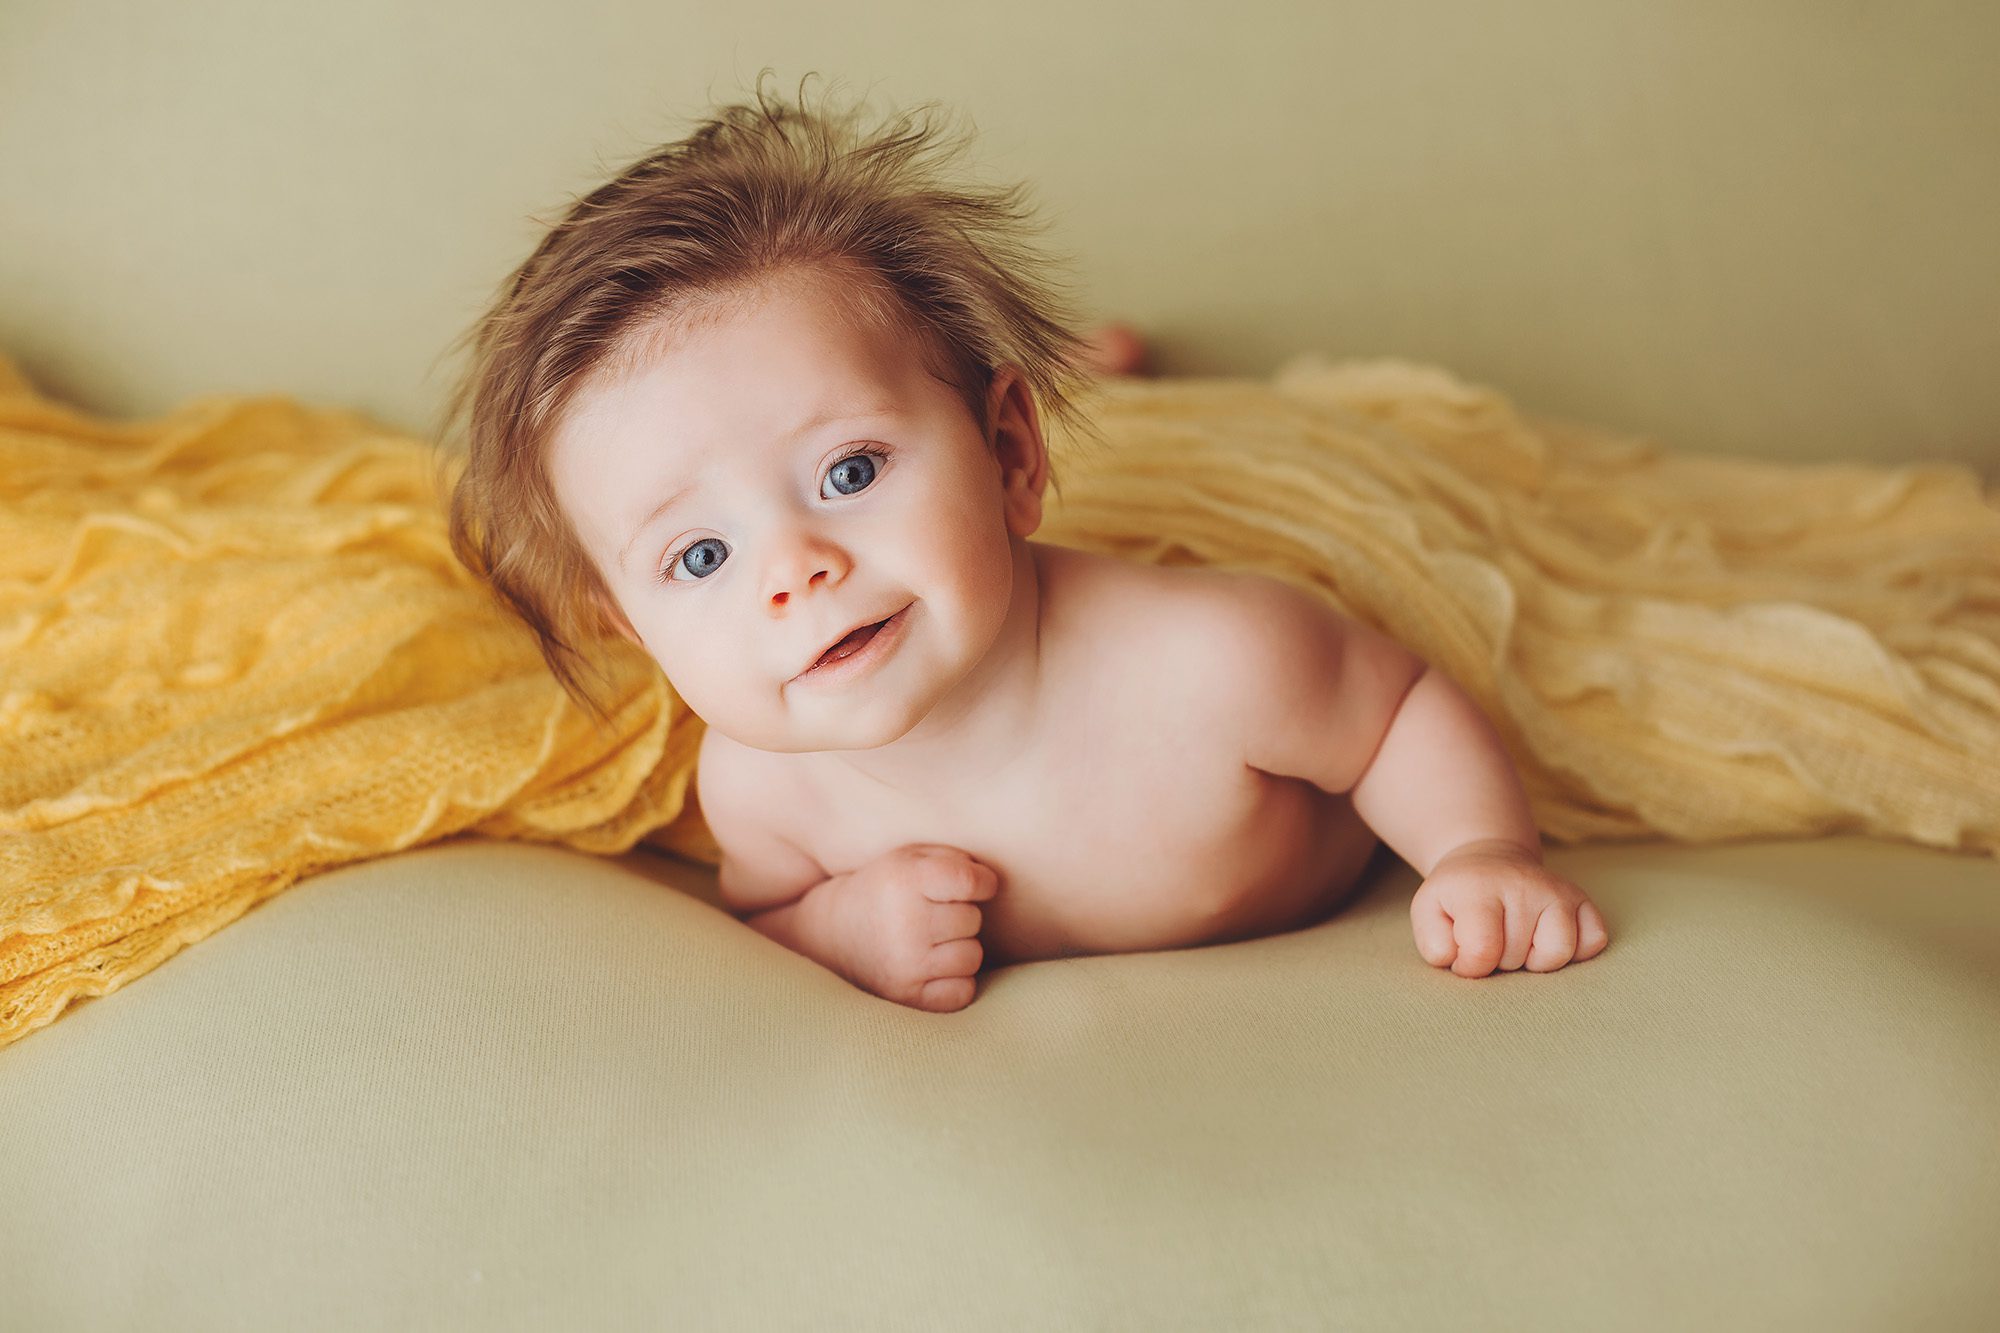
{"x":745,"y":706}
{"x":694,"y":686}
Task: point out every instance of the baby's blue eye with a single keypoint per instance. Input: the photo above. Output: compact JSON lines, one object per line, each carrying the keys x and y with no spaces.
{"x":864,"y":465}
{"x":857,"y":470}
{"x":699,"y":566}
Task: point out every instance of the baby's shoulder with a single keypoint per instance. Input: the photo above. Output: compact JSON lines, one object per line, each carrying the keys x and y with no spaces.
{"x":1201,"y":598}
{"x":1191,"y":624}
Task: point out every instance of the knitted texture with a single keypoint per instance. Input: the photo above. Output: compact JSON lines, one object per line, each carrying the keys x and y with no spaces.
{"x":235,"y":647}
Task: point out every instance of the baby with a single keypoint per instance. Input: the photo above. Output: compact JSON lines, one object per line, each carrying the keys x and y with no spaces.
{"x":770,"y":405}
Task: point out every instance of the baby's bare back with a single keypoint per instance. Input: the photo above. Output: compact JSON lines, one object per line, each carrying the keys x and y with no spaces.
{"x":1132,"y":821}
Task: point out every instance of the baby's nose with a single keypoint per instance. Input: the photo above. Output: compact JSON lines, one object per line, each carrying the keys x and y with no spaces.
{"x":804,"y":564}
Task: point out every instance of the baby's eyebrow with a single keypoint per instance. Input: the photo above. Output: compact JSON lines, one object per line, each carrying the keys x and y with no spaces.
{"x":824,"y":417}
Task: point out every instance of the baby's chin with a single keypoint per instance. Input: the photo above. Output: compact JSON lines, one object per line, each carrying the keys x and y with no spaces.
{"x":847,"y":722}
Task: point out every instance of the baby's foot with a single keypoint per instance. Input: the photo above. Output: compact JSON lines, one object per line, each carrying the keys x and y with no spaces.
{"x":910,"y":925}
{"x":1116,"y":349}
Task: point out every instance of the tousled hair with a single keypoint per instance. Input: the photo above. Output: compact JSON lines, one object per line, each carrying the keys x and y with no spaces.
{"x":758,"y":188}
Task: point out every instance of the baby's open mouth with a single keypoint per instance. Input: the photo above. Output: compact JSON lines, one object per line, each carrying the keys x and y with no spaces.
{"x":856,"y":640}
{"x":852,"y":644}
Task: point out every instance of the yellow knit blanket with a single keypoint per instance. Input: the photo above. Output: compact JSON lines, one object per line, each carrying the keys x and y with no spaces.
{"x":235,"y":648}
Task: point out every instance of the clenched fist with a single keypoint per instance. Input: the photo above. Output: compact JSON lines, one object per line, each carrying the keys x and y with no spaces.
{"x":908,"y":925}
{"x":1489,"y":906}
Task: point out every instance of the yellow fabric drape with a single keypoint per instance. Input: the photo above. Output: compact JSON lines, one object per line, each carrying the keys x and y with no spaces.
{"x":235,"y":648}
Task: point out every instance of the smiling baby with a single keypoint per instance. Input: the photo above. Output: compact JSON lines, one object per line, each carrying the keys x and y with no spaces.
{"x":770,"y":405}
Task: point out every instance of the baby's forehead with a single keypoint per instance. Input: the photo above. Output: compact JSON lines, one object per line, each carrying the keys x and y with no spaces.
{"x":847,"y":313}
{"x":841,"y":291}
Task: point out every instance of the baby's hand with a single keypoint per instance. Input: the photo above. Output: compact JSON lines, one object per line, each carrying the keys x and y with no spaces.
{"x":1490,"y":906}
{"x":910,"y":929}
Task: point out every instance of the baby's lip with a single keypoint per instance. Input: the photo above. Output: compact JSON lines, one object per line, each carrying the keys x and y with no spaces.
{"x":844,"y":633}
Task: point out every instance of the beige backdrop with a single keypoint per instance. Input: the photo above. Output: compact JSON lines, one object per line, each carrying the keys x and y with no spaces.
{"x":1757,"y":227}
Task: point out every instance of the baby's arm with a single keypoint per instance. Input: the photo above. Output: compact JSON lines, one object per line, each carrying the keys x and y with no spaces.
{"x":1440,"y":781}
{"x":1354,"y":711}
{"x":904,"y":926}
{"x":1442,"y":792}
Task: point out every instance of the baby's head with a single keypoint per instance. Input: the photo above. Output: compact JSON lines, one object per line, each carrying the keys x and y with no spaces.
{"x":774,"y":381}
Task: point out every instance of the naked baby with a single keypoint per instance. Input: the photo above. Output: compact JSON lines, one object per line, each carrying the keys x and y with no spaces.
{"x":778,"y":400}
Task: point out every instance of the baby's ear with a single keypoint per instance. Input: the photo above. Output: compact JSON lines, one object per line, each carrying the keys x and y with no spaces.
{"x":1019,"y":449}
{"x":614,"y":616}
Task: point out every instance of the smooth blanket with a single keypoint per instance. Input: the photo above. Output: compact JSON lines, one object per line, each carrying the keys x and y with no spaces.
{"x":235,"y":647}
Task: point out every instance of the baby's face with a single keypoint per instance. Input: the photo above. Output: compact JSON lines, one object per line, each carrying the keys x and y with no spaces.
{"x":781,"y":531}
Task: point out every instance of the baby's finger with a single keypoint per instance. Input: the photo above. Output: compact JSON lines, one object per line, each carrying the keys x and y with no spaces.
{"x":963,"y":881}
{"x":955,"y":958}
{"x":947,"y":994}
{"x":1591,"y":934}
{"x":1517,"y":933}
{"x":1481,"y":932}
{"x":1555,"y":938}
{"x":953,"y":921}
{"x":1432,"y":929}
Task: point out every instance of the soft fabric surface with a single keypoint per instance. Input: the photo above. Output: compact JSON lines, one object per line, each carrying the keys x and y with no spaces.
{"x":237,"y":648}
{"x":495,"y":1086}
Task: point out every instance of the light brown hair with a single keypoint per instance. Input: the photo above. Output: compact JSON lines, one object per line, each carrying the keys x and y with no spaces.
{"x":756,"y":188}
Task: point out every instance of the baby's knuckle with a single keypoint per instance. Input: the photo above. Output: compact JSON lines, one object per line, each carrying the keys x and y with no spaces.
{"x":1481,"y":935}
{"x":929,"y":858}
{"x":968,"y":879}
{"x":955,"y":874}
